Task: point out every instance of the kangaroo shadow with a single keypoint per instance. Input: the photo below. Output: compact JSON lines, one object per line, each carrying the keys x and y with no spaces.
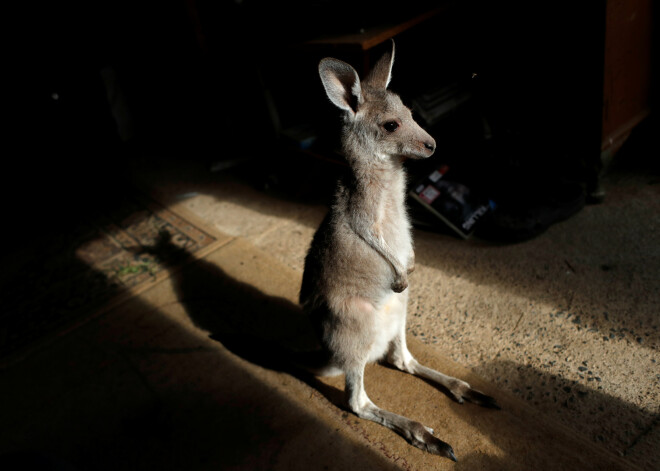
{"x":263,"y":329}
{"x":268,"y":331}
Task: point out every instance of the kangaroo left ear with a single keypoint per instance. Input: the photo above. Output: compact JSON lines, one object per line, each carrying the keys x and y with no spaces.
{"x":381,"y":74}
{"x":342,"y":84}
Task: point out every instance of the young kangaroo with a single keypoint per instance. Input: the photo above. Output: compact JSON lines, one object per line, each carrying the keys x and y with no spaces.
{"x":356,"y":270}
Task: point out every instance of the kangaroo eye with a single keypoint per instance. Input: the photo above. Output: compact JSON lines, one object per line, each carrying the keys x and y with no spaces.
{"x":391,"y":126}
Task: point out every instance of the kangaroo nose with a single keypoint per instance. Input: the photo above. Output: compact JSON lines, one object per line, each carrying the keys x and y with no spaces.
{"x":429,"y":146}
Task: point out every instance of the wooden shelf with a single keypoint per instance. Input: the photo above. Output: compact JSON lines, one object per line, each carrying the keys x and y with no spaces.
{"x":375,"y":35}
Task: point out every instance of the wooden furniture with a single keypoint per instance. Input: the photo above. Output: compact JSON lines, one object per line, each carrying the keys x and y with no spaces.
{"x":576,"y":75}
{"x":601,"y":62}
{"x":627,"y":71}
{"x":363,"y":41}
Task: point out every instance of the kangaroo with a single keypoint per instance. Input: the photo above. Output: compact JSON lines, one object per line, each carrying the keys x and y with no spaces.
{"x":355,"y":280}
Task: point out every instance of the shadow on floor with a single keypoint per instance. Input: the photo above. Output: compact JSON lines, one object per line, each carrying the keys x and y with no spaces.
{"x":135,"y":390}
{"x":232,"y":309}
{"x":540,"y":388}
{"x":110,"y":399}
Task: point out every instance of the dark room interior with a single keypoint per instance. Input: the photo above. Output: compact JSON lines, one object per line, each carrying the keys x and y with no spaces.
{"x":169,"y":162}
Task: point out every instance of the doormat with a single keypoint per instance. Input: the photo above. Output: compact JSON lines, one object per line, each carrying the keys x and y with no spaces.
{"x":108,"y":257}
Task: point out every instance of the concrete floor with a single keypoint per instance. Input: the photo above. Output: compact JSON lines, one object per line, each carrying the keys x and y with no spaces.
{"x":563,"y":327}
{"x":567,"y":322}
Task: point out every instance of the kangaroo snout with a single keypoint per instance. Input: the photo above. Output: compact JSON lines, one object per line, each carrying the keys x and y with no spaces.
{"x":424,"y":148}
{"x":423,"y":144}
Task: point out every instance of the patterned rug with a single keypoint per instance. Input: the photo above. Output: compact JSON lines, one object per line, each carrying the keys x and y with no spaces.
{"x":73,"y":275}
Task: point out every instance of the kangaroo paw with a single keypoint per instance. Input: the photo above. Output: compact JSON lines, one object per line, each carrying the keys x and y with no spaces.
{"x":400,"y":284}
{"x":424,"y":440}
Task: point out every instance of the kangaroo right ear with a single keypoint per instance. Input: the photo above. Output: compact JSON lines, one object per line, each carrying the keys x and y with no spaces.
{"x":381,"y":74}
{"x":341,"y":83}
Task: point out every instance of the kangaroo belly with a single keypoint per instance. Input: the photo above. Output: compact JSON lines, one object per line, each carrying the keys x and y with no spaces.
{"x":355,"y":328}
{"x":390,"y":319}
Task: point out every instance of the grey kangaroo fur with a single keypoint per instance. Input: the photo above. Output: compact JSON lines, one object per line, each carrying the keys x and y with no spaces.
{"x":355,"y":281}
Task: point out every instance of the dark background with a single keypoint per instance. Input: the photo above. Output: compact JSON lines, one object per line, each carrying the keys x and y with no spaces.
{"x":201,"y":78}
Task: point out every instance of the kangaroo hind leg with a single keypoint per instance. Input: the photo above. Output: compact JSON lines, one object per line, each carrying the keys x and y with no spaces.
{"x":414,"y":432}
{"x":401,"y":358}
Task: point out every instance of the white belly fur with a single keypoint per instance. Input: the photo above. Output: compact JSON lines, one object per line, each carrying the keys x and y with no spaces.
{"x":390,"y":318}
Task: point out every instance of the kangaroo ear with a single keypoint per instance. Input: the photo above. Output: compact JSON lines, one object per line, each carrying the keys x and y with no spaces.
{"x":341,"y":83}
{"x":381,"y":74}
